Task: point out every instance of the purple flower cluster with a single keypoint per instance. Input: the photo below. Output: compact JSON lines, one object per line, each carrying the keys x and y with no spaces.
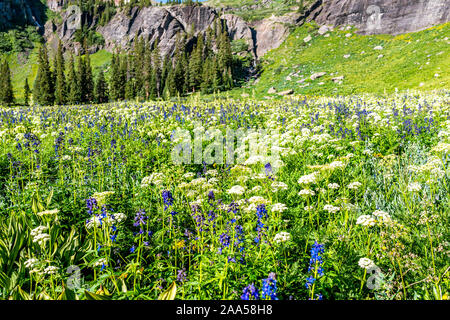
{"x":168,"y":201}
{"x":139,"y":219}
{"x":181,"y":275}
{"x":224,"y":241}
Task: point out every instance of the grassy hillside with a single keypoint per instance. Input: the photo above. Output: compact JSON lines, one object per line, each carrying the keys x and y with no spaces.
{"x":418,"y":60}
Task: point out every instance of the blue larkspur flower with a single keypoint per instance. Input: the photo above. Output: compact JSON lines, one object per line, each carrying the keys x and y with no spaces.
{"x":140,"y":218}
{"x":269,"y":287}
{"x":167,"y":199}
{"x":250,"y":292}
{"x":315,"y":264}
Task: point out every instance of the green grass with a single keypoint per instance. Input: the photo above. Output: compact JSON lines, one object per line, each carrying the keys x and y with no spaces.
{"x":409,"y":61}
{"x":23,"y":66}
{"x":99,"y":60}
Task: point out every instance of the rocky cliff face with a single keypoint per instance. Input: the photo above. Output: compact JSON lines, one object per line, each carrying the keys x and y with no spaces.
{"x":156,"y":24}
{"x":162,"y":24}
{"x":14,"y":12}
{"x":383,"y":16}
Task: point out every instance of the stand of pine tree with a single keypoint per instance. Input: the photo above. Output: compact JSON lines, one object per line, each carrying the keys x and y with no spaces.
{"x":6,"y":90}
{"x":140,"y":74}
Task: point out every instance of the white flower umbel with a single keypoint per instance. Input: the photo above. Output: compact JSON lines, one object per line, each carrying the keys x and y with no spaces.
{"x":31,"y":263}
{"x":155,"y":178}
{"x":382,"y":216}
{"x":354,"y":185}
{"x":366,"y":263}
{"x":330,"y":208}
{"x":282,"y":237}
{"x":48,"y":213}
{"x":279,"y":207}
{"x":51,"y":270}
{"x":306,"y":192}
{"x":100,"y":262}
{"x":101,"y":197}
{"x":333,"y":186}
{"x":236,"y":190}
{"x":257,"y":200}
{"x":39,"y":236}
{"x":366,"y":220}
{"x":119,"y":217}
{"x":187,"y":175}
{"x":414,"y":187}
{"x":309,"y":178}
{"x":278,"y":185}
{"x":441,"y":147}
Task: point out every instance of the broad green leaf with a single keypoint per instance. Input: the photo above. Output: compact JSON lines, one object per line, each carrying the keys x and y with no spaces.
{"x":170,"y":293}
{"x":95,"y":296}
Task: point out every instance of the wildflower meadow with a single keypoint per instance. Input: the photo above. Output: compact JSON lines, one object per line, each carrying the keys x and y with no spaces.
{"x":300,"y":198}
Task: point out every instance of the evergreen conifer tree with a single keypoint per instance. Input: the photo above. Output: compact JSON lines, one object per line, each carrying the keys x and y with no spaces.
{"x":60,"y":84}
{"x":88,"y":77}
{"x":73,"y":87}
{"x":43,"y":91}
{"x":101,"y":88}
{"x":26,"y":92}
{"x":6,"y":90}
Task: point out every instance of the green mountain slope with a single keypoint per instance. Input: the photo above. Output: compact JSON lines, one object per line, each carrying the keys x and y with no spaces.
{"x":418,"y":60}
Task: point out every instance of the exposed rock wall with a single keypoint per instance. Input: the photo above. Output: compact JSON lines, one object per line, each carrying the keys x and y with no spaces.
{"x":384,"y":16}
{"x":20,"y":12}
{"x":163,"y":23}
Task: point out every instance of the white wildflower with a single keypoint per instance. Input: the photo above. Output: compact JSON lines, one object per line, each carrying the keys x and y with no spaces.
{"x":279,"y":207}
{"x":306,"y":192}
{"x":366,"y":263}
{"x":331,"y":208}
{"x":354,"y":185}
{"x":258,"y":200}
{"x":188,"y":175}
{"x":382,"y":216}
{"x":309,"y":178}
{"x":236,"y":190}
{"x":51,"y":270}
{"x":414,"y":187}
{"x":282,"y":237}
{"x":48,"y":213}
{"x":119,"y":217}
{"x":31,"y":263}
{"x":100,"y":262}
{"x":278,"y":185}
{"x":441,"y":147}
{"x":256,"y":189}
{"x":366,"y":220}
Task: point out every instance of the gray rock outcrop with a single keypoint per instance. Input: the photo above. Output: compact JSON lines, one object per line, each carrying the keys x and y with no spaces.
{"x":383,"y":16}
